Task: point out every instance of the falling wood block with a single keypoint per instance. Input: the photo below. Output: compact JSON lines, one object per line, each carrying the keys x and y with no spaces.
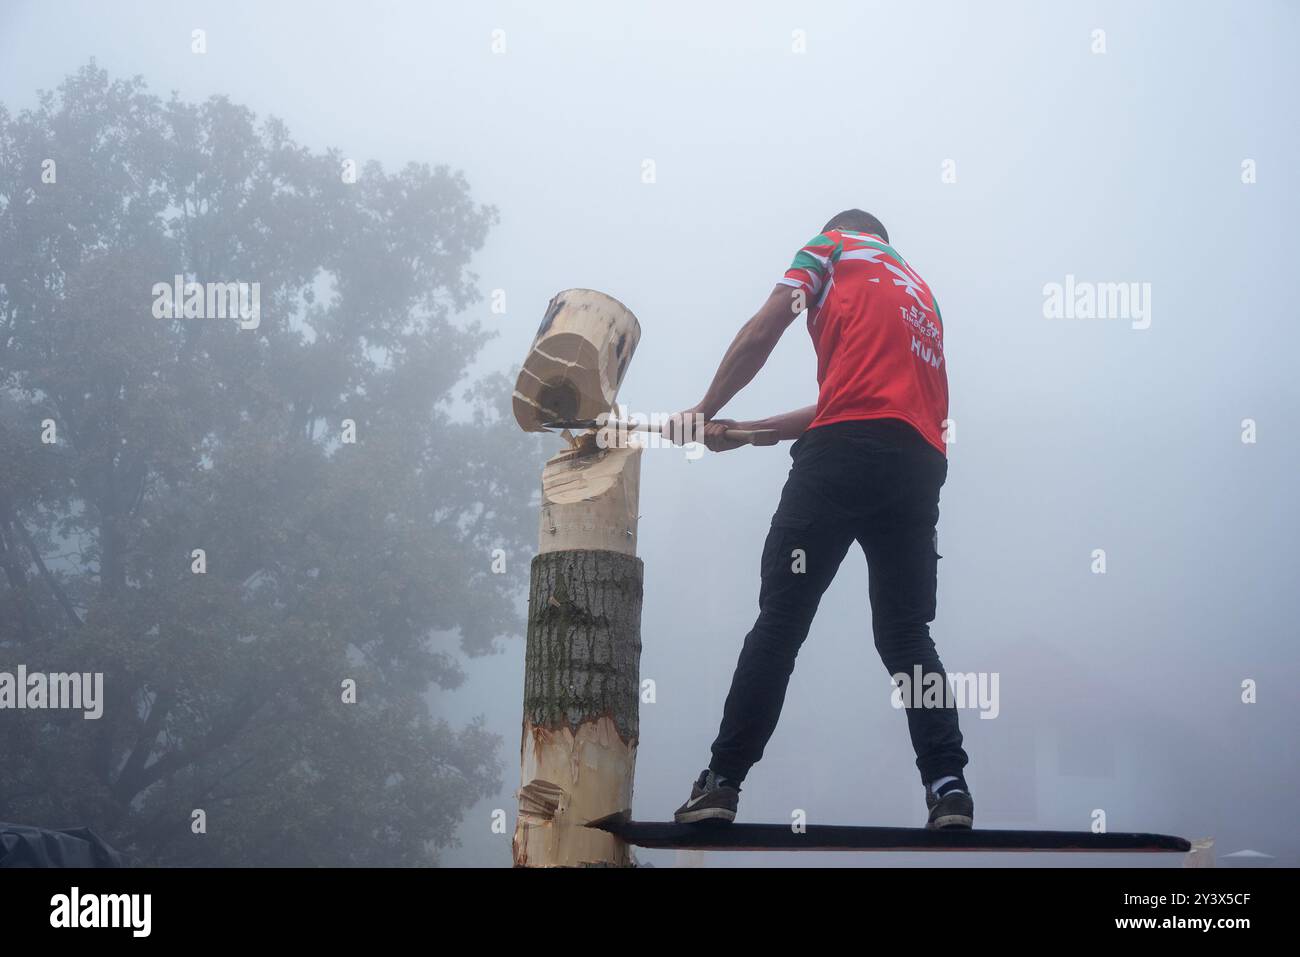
{"x":577,"y":361}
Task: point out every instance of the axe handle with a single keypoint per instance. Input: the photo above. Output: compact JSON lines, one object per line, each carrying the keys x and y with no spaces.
{"x":758,"y":437}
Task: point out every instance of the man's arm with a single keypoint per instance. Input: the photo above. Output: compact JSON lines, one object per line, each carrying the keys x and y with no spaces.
{"x":747,"y":352}
{"x":788,"y":425}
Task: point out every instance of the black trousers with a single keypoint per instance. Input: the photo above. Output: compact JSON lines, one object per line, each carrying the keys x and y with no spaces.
{"x":875,"y":482}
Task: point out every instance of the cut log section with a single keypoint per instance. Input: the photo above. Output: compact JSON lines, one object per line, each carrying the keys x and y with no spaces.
{"x":831,"y":837}
{"x":577,"y":361}
{"x":589,"y":499}
{"x":583,"y":662}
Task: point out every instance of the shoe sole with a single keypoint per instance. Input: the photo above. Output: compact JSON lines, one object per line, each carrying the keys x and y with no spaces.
{"x":963,"y":821}
{"x":723,"y":814}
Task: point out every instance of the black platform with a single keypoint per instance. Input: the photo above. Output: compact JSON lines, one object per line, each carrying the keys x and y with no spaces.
{"x":834,"y":837}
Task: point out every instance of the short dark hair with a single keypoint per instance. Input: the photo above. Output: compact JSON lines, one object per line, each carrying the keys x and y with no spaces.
{"x":858,"y":221}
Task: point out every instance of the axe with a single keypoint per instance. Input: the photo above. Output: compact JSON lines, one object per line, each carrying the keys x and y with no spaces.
{"x":571,"y":376}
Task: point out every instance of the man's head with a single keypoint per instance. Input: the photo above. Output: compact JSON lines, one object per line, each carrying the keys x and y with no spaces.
{"x":857,"y":221}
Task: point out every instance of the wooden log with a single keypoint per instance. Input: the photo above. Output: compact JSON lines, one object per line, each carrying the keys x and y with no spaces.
{"x":583,"y":660}
{"x":589,"y":499}
{"x":577,"y":360}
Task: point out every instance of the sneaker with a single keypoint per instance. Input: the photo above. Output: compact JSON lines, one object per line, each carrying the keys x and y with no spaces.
{"x":712,"y":799}
{"x":952,"y":808}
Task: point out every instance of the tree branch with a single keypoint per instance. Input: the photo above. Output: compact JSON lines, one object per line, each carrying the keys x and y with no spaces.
{"x":64,"y":602}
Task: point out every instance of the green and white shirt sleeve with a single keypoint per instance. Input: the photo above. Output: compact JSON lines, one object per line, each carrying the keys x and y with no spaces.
{"x":812,"y":265}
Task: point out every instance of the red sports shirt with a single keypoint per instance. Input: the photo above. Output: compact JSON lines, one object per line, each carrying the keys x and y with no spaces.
{"x":878,"y":334}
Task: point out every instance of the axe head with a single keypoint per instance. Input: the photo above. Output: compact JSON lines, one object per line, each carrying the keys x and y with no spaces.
{"x":580,"y":424}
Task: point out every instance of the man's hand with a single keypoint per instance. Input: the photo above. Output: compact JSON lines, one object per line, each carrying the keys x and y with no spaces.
{"x":690,"y":426}
{"x":715,"y":435}
{"x":685,"y":426}
{"x":699,"y":428}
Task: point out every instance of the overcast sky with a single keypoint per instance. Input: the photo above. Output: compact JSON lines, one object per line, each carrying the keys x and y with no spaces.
{"x":1120,"y":691}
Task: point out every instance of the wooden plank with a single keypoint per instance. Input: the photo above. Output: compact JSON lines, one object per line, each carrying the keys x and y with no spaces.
{"x":835,"y":837}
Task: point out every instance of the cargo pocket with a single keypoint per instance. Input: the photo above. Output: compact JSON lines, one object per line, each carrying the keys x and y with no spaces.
{"x":784,"y":566}
{"x":785,"y":534}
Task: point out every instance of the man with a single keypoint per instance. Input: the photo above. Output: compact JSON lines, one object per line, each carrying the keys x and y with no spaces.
{"x":868,"y":465}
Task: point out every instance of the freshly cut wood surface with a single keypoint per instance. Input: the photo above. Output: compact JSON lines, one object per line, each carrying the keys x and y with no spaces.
{"x":590,"y":500}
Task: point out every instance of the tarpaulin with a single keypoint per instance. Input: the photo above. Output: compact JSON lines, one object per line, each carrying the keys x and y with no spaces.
{"x":23,"y":846}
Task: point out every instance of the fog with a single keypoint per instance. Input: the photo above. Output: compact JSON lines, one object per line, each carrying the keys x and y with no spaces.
{"x":1005,"y":153}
